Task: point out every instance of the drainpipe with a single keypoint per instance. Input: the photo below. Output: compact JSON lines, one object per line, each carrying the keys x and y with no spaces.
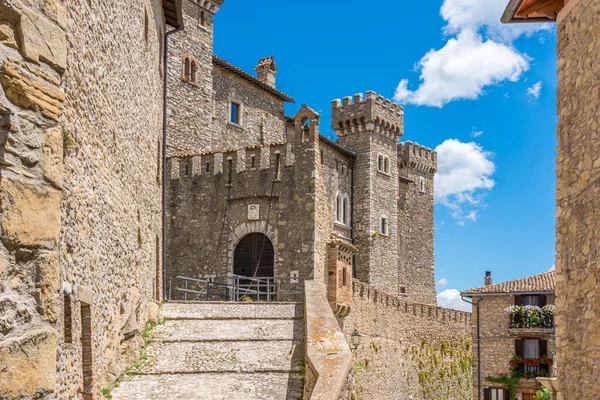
{"x":164,"y":153}
{"x":478,"y":347}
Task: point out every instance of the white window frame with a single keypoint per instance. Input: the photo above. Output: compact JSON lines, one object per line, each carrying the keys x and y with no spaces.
{"x":382,"y":231}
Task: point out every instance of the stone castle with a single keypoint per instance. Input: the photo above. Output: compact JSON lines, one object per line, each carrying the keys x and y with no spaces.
{"x":85,"y":259}
{"x":232,"y":149}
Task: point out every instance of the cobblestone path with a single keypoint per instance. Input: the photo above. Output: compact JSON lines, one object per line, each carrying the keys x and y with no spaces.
{"x":209,"y":351}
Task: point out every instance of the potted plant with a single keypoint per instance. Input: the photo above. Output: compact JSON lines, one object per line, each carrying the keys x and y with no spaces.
{"x":246,"y":299}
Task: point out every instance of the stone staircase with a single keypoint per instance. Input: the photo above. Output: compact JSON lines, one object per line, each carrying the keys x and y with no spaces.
{"x":222,"y":351}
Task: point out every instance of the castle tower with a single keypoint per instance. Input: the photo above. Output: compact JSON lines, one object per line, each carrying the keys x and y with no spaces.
{"x":371,"y":128}
{"x":190,"y":80}
{"x":417,"y":166}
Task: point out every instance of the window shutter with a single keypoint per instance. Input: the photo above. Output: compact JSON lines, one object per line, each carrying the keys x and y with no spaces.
{"x":518,"y":300}
{"x":519,"y":347}
{"x":507,"y":394}
{"x":543,"y":348}
{"x":486,"y":394}
{"x":543,"y":300}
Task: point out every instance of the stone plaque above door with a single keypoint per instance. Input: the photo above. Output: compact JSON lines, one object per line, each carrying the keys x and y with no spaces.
{"x":253,"y":212}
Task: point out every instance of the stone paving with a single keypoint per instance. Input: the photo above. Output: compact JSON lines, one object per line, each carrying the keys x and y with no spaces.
{"x":221,"y":351}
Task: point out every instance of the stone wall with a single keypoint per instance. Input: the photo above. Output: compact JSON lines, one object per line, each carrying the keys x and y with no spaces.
{"x":416,"y":272}
{"x":578,"y":199}
{"x":207,"y":217}
{"x":190,"y":101}
{"x":407,"y":349}
{"x":262,"y":120}
{"x":81,"y":108}
{"x":498,"y":342}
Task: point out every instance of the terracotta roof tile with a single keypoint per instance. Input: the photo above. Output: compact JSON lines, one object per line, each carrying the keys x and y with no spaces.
{"x":544,"y":282}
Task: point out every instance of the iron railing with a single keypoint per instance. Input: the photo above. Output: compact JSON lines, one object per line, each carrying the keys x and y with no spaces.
{"x":523,"y":321}
{"x":241,"y":288}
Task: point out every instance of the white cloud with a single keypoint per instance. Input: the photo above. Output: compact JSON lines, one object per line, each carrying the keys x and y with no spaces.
{"x":450,"y":298}
{"x":479,"y":55}
{"x":552,"y":268}
{"x":476,"y":133}
{"x":442,"y":282}
{"x":464,"y":174}
{"x":534,"y":91}
{"x":461,"y":70}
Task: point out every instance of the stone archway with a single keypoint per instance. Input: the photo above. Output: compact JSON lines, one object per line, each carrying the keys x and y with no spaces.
{"x":244,"y":230}
{"x":254,"y":256}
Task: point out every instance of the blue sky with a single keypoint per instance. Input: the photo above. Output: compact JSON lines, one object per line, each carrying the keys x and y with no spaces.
{"x":480,"y":92}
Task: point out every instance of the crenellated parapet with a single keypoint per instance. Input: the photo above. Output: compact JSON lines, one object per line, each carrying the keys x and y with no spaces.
{"x":246,"y":160}
{"x":375,"y":113}
{"x":415,"y":156}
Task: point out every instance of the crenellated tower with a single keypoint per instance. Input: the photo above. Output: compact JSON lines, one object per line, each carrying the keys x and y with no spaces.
{"x":190,"y":93}
{"x":371,"y":128}
{"x":417,"y":166}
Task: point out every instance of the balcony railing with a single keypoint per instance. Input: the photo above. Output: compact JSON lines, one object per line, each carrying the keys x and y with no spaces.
{"x":531,"y":317}
{"x":531,"y":368}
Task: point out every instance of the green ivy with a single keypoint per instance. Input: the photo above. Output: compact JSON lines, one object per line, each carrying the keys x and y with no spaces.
{"x":511,"y":382}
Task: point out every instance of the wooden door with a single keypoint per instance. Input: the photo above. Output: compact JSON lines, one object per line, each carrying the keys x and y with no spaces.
{"x":254,"y":256}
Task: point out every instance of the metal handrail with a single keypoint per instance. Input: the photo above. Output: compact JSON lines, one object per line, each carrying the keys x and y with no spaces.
{"x":256,"y":288}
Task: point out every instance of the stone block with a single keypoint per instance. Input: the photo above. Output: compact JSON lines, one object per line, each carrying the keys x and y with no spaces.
{"x":33,"y":93}
{"x":43,"y":40}
{"x":29,"y":214}
{"x":7,"y":35}
{"x":28,"y":364}
{"x":48,"y":286}
{"x":53,"y":157}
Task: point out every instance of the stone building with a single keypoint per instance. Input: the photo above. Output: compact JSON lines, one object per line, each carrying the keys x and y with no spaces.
{"x":81,"y":108}
{"x":256,"y":193}
{"x":577,"y":197}
{"x":513,"y":333}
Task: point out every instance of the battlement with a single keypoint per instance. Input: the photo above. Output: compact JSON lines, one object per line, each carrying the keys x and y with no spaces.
{"x":253,"y":158}
{"x":375,"y":113}
{"x":413,"y":155}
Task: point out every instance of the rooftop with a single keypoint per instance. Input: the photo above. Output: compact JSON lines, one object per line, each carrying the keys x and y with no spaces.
{"x":251,"y":78}
{"x":541,"y":283}
{"x":532,"y":11}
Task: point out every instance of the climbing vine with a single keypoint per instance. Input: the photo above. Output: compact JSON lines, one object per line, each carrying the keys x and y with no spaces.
{"x":511,"y":382}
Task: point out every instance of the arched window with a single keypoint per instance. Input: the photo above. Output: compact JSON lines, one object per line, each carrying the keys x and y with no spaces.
{"x":339,"y":209}
{"x":186,"y":67}
{"x":194,"y":71}
{"x":202,"y":18}
{"x":346,"y":211}
{"x":384,"y":228}
{"x":422,"y":185}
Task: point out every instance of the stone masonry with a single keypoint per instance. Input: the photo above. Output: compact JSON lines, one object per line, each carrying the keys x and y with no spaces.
{"x":80,"y":110}
{"x":578,"y":200}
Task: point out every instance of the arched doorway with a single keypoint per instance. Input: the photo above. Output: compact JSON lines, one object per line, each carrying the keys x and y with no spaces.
{"x":254,"y":256}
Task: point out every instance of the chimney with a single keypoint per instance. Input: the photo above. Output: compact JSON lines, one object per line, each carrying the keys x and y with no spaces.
{"x":266,"y":69}
{"x":488,"y":278}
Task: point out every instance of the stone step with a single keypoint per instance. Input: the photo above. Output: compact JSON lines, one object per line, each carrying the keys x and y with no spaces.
{"x":231,"y":310}
{"x":211,"y":386}
{"x":228,"y":330}
{"x":237,"y":356}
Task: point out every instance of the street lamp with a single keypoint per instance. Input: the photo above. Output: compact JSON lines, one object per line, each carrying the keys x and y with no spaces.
{"x":355,"y":339}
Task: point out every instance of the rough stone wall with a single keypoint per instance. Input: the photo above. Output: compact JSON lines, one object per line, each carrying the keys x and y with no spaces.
{"x":207,"y":217}
{"x":416,"y":222}
{"x":334,"y":175}
{"x":407,"y":349}
{"x":81,"y":125}
{"x":190,"y":104}
{"x":371,"y":127}
{"x":262,"y":120}
{"x":497,"y":342}
{"x":578,"y":199}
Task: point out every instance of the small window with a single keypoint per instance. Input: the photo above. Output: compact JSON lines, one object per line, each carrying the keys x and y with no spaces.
{"x":277,"y":166}
{"x":253,"y":161}
{"x":229,"y":171}
{"x":346,"y":211}
{"x":187,"y":169}
{"x":383,"y":164}
{"x":207,"y":167}
{"x":402,"y":289}
{"x":339,"y":209}
{"x":384,"y":228}
{"x":194,"y":71}
{"x":202,"y":18}
{"x":146,"y":27}
{"x":496,"y":394}
{"x":422,"y":185}
{"x":235,"y":113}
{"x":186,"y":68}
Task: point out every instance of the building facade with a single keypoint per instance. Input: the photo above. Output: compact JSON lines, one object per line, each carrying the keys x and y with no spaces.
{"x":513,"y":334}
{"x":251,"y":186}
{"x":80,"y":190}
{"x":577,"y":170}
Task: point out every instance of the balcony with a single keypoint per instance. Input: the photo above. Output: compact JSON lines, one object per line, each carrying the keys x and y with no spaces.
{"x":531,"y":368}
{"x":531,"y":318}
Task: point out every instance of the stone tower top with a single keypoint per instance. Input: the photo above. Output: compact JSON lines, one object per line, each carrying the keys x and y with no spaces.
{"x":415,"y":156}
{"x":266,"y":69}
{"x":353,"y":114}
{"x":210,"y":5}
